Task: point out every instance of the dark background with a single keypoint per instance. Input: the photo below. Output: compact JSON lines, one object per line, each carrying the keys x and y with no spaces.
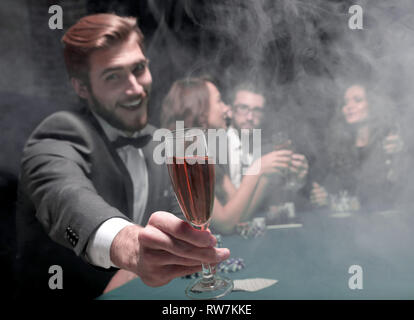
{"x":303,"y":51}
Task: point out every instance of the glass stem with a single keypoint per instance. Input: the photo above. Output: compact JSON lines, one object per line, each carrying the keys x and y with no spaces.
{"x":208,"y":275}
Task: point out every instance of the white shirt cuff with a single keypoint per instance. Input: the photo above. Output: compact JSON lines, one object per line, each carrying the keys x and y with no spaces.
{"x":99,"y":244}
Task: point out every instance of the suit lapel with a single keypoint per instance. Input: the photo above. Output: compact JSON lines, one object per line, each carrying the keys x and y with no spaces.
{"x":156,"y":173}
{"x":154,"y":176}
{"x":128,"y":185}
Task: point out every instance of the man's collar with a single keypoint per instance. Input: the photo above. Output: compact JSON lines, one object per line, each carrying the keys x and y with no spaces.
{"x":233,"y":135}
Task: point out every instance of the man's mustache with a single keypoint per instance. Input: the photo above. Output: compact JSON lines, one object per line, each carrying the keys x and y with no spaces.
{"x":142,"y":97}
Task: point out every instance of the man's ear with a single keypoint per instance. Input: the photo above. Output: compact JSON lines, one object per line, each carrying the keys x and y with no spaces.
{"x":80,"y":87}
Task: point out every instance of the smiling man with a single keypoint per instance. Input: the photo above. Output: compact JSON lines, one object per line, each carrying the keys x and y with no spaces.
{"x":89,"y":184}
{"x":119,"y":85}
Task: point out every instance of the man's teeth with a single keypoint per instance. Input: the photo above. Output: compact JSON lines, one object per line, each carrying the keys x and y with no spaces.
{"x":132,"y":103}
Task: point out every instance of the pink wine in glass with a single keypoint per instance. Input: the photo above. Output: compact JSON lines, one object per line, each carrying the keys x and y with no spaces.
{"x":193,"y":182}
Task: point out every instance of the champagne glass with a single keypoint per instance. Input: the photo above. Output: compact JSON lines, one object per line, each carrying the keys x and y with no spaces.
{"x":391,"y":144}
{"x":192,"y":176}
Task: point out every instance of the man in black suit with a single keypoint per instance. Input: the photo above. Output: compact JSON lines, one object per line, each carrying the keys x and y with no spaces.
{"x":89,"y":183}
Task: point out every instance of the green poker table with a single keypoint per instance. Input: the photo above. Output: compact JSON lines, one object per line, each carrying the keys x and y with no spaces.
{"x":314,"y":259}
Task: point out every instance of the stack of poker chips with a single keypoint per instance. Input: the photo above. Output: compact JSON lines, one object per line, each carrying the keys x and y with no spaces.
{"x":231,"y":265}
{"x":281,"y":213}
{"x":252,"y":229}
{"x":242,"y":228}
{"x":343,"y":202}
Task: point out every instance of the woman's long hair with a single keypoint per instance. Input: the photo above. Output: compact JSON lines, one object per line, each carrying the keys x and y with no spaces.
{"x":188,"y":100}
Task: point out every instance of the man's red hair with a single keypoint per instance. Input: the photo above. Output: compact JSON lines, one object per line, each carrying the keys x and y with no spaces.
{"x":92,"y":33}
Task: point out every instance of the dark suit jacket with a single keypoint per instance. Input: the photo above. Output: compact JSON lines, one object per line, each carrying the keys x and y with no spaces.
{"x":72,"y":181}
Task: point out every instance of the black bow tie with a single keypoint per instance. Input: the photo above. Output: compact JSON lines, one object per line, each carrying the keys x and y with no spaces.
{"x":138,"y":142}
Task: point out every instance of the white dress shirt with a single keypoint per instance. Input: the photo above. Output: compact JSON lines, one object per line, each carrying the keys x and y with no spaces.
{"x":236,"y":157}
{"x":98,"y":248}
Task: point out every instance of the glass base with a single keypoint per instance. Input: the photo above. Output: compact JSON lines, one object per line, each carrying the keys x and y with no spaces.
{"x":202,"y":289}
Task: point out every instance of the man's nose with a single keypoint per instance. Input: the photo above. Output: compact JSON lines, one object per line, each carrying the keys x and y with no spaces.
{"x":226,"y":109}
{"x":134,"y":86}
{"x":348,"y":106}
{"x":249,"y":115}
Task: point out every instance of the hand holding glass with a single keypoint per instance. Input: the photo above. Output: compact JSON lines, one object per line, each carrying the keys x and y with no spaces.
{"x":282,"y":142}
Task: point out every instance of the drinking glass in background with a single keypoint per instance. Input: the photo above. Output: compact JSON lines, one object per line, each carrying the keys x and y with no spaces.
{"x":392,"y":144}
{"x":192,"y":175}
{"x":282,"y":141}
{"x":343,"y":204}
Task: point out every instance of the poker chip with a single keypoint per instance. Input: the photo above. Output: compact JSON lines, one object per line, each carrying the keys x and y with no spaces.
{"x":243,"y":229}
{"x":231,"y":265}
{"x":251,"y":229}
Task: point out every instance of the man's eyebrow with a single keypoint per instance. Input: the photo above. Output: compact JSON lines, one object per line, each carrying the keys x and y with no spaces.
{"x":117,"y":68}
{"x":248,"y":106}
{"x":108,"y":70}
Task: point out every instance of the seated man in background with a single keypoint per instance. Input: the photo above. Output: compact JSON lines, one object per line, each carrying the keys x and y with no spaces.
{"x":89,"y":184}
{"x":248,"y":109}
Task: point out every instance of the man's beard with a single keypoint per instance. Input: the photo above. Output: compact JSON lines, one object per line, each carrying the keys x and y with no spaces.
{"x":111,"y":118}
{"x":227,"y":121}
